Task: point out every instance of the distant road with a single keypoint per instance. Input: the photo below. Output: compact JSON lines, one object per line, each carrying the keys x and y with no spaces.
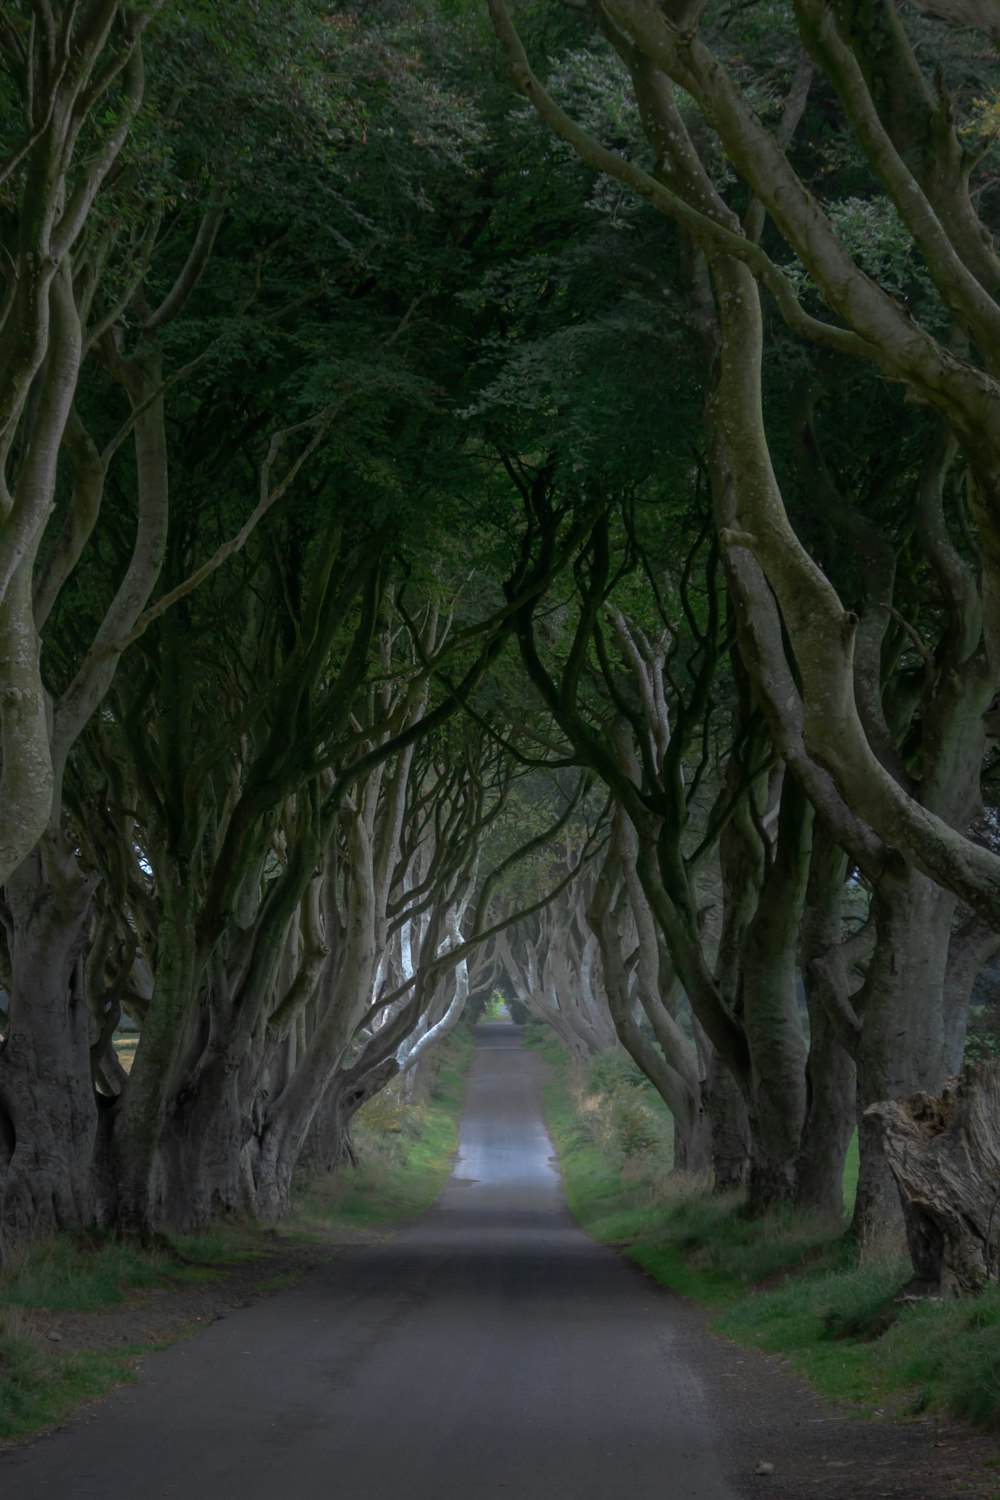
{"x":492,"y":1350}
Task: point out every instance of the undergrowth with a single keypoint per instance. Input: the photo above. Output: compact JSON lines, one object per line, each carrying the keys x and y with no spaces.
{"x":81,"y":1272}
{"x":405,"y":1148}
{"x":789,"y":1283}
{"x":40,"y":1384}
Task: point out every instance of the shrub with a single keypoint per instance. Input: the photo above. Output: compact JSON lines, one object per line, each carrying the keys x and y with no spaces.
{"x":617,"y":1110}
{"x":636,"y":1131}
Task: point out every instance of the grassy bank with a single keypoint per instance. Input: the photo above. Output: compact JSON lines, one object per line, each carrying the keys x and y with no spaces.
{"x":787,"y":1283}
{"x":405,"y":1151}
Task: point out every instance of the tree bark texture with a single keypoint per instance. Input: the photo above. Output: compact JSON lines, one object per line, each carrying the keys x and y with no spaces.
{"x":770,"y":1008}
{"x":166,"y":1038}
{"x":48,"y":1109}
{"x":944,"y":1153}
{"x":673,"y":1070}
{"x":901,"y":1046}
{"x":833,"y":1030}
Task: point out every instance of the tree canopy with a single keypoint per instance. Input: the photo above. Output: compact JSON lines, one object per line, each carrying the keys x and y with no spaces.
{"x":454,"y":538}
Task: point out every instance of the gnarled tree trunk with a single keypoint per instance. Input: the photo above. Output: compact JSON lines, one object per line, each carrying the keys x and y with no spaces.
{"x":944,"y":1152}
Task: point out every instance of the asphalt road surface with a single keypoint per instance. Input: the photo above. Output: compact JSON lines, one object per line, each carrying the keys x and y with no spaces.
{"x":490,"y":1351}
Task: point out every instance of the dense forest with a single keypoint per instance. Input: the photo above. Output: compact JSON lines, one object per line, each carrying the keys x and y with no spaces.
{"x":493,"y":498}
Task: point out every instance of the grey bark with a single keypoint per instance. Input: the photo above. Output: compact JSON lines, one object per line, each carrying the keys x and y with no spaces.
{"x":48,"y":1109}
{"x":770,"y":1008}
{"x":901,"y":1045}
{"x":673,"y":1069}
{"x":944,"y":1154}
{"x":830,"y":1069}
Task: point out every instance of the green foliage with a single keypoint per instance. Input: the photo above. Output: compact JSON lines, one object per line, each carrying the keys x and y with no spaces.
{"x":873,"y":232}
{"x":406,"y":248}
{"x":493,"y":1007}
{"x":40,"y":1383}
{"x":710,"y":1241}
{"x":847,"y":1333}
{"x":540,"y":1036}
{"x":85,"y":1272}
{"x":620,"y":1111}
{"x":852,"y":1166}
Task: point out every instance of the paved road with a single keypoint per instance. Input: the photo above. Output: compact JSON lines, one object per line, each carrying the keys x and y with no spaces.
{"x":490,"y":1351}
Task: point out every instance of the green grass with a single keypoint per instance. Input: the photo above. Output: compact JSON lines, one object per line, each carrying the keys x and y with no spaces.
{"x":40,"y":1385}
{"x":91,"y":1270}
{"x":87,"y":1272}
{"x":845,"y":1331}
{"x":276,"y":1283}
{"x":82,"y":1273}
{"x":788,"y":1283}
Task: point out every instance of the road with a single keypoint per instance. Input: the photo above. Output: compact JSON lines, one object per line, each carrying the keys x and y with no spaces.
{"x":491,"y":1350}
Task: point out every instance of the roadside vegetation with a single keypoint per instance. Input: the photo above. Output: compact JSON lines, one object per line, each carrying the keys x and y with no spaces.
{"x":788,"y":1282}
{"x":405,"y":1148}
{"x":404,"y":1145}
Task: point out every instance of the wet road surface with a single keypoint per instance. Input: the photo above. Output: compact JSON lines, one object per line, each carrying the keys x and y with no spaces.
{"x":490,"y":1351}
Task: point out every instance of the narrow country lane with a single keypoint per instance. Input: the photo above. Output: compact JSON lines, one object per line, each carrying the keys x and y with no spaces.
{"x":491,"y":1350}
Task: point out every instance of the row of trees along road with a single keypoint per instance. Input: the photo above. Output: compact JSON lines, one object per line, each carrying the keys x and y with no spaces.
{"x":870,"y":674}
{"x":442,"y":546}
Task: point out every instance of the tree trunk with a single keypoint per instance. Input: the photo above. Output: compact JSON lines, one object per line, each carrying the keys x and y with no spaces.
{"x":272,"y":1164}
{"x":770,"y":1009}
{"x":901,"y":1046}
{"x":830,"y":1070}
{"x":167,"y":1035}
{"x":972,"y":946}
{"x":355,"y":1086}
{"x":197,"y":1173}
{"x":48,"y":1110}
{"x":329,"y":1145}
{"x":25,"y":755}
{"x":730,"y":1127}
{"x":673,"y":1070}
{"x":829,"y":1122}
{"x":944,"y":1153}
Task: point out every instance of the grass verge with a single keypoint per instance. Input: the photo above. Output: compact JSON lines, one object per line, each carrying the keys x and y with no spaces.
{"x":787,"y":1283}
{"x":40,"y":1385}
{"x":405,"y":1151}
